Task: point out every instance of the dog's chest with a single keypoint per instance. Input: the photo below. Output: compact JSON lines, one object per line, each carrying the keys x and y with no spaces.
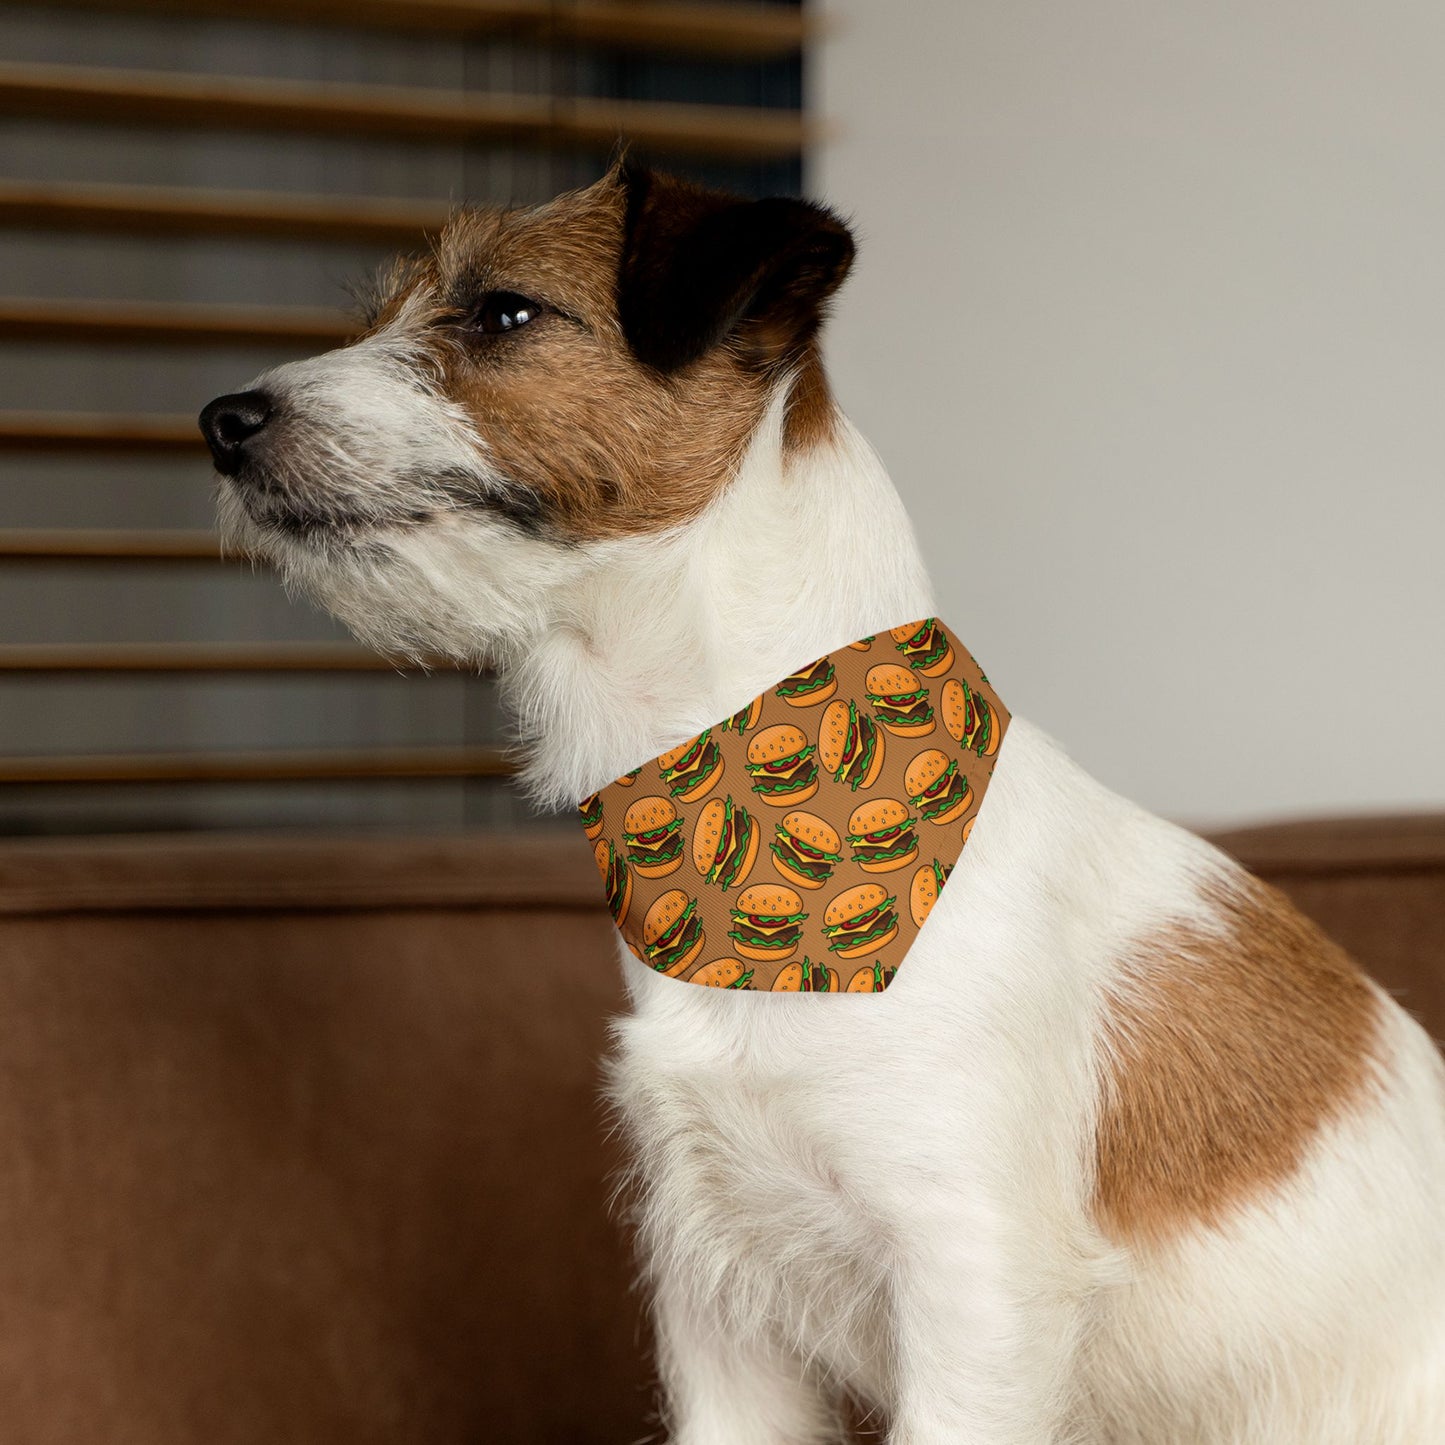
{"x":752,"y":1176}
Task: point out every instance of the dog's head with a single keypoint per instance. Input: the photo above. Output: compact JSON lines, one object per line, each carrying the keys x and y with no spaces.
{"x":543,"y":382}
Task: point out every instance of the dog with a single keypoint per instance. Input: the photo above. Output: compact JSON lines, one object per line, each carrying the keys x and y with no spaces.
{"x":1128,"y":1152}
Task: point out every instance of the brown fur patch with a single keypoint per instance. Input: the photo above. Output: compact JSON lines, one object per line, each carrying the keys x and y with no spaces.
{"x":608,"y":446}
{"x":1227,"y":1052}
{"x":811,"y":415}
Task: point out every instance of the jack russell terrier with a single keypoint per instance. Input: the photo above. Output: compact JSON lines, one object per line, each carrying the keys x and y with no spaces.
{"x":1118,"y":1148}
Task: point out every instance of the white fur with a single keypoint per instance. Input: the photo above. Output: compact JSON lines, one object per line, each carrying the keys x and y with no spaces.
{"x":890,"y":1194}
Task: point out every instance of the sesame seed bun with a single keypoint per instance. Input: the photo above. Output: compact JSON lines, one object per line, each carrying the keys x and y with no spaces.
{"x":922,"y":894}
{"x":653,"y":811}
{"x":862,"y":645}
{"x":833,"y":738}
{"x":813,"y":830}
{"x":952,"y":704}
{"x":720,"y":973}
{"x":768,"y":899}
{"x":891,"y":677}
{"x":776,"y":742}
{"x":877,"y":814}
{"x":853,"y":902}
{"x":706,"y":832}
{"x":864,"y":981}
{"x":924,"y":770}
{"x":968,"y":827}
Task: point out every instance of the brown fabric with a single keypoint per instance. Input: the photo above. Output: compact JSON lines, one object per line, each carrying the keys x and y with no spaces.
{"x":800,"y":844}
{"x":283,"y":1162}
{"x":325,"y":1174}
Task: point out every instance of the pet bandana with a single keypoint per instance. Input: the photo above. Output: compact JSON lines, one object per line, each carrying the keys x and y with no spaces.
{"x":800,"y":844}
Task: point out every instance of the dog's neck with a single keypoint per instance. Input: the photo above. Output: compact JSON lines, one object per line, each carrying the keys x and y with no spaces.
{"x":662,"y":637}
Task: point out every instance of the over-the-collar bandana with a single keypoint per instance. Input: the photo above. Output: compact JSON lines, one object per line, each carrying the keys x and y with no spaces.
{"x":800,"y":844}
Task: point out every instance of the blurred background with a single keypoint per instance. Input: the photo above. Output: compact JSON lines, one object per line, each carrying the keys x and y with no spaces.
{"x":187,"y":194}
{"x":1149,"y":323}
{"x":302,"y":1011}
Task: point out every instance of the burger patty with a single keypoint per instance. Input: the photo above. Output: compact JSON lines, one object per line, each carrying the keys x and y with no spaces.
{"x":911,"y":707}
{"x":665,"y":951}
{"x":810,"y":863}
{"x":660,"y":845}
{"x":955,"y":787}
{"x":806,"y":680}
{"x":925,"y":647}
{"x":785,"y":775}
{"x":854,"y":932}
{"x":732,"y":847}
{"x":698,"y":763}
{"x":879,"y":847}
{"x":754,"y":931}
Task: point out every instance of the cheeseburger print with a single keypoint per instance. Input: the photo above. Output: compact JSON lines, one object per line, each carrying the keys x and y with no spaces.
{"x":692,"y":769}
{"x":809,"y":685}
{"x":927,"y":647}
{"x":724,"y":843}
{"x":900,"y":700}
{"x":816,"y":839}
{"x":780,"y":760}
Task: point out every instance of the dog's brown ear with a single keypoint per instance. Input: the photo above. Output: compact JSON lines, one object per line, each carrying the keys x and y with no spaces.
{"x":699,"y":266}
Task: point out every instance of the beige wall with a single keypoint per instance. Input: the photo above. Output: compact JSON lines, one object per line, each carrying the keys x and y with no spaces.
{"x":1149,"y":324}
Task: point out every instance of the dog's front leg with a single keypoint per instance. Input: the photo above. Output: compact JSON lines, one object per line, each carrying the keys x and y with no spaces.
{"x":720,"y":1388}
{"x":984,"y":1341}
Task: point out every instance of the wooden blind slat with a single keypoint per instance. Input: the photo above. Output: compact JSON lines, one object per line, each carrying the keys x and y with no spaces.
{"x":173,"y":211}
{"x":98,"y":432}
{"x":186,"y":657}
{"x":271,"y":766}
{"x":755,"y":32}
{"x":82,"y":544}
{"x":171,"y":323}
{"x":218,"y":102}
{"x":78,"y":431}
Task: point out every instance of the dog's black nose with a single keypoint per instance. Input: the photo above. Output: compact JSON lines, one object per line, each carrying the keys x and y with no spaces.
{"x":229,"y":422}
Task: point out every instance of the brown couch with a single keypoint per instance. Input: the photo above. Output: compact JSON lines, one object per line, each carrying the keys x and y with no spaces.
{"x":302,"y":1141}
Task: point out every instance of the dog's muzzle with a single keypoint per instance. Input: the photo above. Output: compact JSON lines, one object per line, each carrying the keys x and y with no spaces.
{"x":230,"y":423}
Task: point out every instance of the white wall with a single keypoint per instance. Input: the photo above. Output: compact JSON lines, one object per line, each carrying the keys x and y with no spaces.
{"x":1149,"y":324}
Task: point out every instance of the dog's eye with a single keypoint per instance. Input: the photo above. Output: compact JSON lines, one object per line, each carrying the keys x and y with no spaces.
{"x":504,"y":311}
